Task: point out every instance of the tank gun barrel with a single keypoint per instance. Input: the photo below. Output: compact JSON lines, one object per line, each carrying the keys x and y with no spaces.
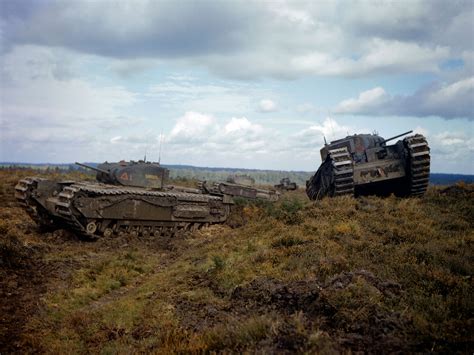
{"x":397,"y":136}
{"x":92,"y":168}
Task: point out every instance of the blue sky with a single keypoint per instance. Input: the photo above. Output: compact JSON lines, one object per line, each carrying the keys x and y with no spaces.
{"x":247,"y":84}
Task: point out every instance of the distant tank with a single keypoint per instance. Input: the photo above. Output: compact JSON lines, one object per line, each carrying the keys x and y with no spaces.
{"x":128,"y":197}
{"x":241,"y":180}
{"x":286,"y":184}
{"x":363,"y":164}
{"x":241,"y":186}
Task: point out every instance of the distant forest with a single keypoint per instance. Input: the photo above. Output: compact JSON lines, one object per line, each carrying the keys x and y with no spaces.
{"x":262,"y":177}
{"x":271,"y":177}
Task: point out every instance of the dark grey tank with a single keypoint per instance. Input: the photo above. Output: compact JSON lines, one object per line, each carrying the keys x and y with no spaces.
{"x":363,"y":164}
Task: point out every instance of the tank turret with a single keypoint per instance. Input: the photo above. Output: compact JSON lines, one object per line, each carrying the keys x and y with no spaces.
{"x":136,"y":174}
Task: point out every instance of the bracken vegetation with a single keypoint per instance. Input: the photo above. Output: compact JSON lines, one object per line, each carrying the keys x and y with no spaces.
{"x":339,"y":275}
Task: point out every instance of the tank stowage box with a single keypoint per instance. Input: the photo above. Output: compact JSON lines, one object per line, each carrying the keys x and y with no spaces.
{"x":364,"y":164}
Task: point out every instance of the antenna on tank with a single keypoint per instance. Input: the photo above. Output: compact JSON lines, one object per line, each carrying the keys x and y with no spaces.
{"x":330,"y":122}
{"x":325,"y":143}
{"x":161,"y":142}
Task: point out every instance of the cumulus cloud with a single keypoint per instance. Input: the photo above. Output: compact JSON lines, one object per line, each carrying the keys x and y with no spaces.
{"x":451,"y":150}
{"x":193,"y":127}
{"x":424,"y":21}
{"x":157,"y":28}
{"x":34,"y":88}
{"x":240,"y":142}
{"x":448,"y":100}
{"x":49,"y":114}
{"x":57,"y":61}
{"x":366,"y":100}
{"x":313,"y":136}
{"x":249,"y":39}
{"x":197,"y":138}
{"x":378,"y":56}
{"x":241,"y":125}
{"x":267,"y":105}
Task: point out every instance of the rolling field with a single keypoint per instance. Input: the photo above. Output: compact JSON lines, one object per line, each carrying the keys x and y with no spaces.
{"x":339,"y":275}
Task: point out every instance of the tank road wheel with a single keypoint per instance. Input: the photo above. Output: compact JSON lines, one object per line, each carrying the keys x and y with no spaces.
{"x":91,"y":228}
{"x":334,"y":177}
{"x":418,"y":164}
{"x":108,"y":232}
{"x":134,"y":232}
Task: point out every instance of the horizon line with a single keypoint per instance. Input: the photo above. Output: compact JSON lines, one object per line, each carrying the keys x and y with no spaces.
{"x":206,"y":167}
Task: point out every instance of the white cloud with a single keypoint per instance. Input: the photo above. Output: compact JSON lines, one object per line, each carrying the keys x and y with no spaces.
{"x":33,"y":89}
{"x":252,"y":39}
{"x":44,"y":111}
{"x":83,"y":90}
{"x":451,"y":150}
{"x":193,"y":127}
{"x":267,"y":105}
{"x":116,"y":139}
{"x":313,"y":136}
{"x":241,"y":125}
{"x":377,"y":56}
{"x":198,"y":138}
{"x":366,"y":100}
{"x":446,"y":94}
{"x":448,"y":100}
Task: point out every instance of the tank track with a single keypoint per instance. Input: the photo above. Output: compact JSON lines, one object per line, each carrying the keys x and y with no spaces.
{"x":343,"y":172}
{"x":89,"y":227}
{"x":418,"y":163}
{"x":335,"y":177}
{"x":23,"y":190}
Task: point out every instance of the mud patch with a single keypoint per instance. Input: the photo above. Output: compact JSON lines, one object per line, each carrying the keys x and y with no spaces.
{"x":308,"y":315}
{"x":268,"y":294}
{"x":22,"y":282}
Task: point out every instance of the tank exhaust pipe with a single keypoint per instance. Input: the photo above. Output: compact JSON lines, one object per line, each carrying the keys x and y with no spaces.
{"x":392,"y":138}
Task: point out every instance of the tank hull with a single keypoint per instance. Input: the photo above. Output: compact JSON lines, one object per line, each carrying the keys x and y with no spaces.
{"x":230,"y":191}
{"x":95,"y":209}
